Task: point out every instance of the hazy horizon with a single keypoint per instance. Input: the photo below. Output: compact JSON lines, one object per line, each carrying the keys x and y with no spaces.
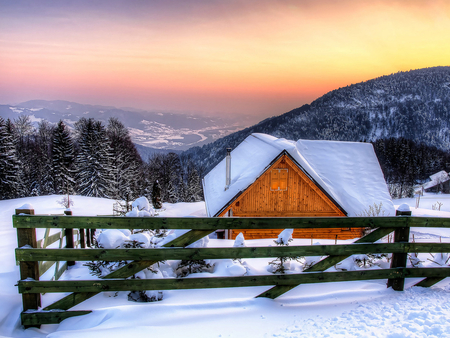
{"x":260,"y":58}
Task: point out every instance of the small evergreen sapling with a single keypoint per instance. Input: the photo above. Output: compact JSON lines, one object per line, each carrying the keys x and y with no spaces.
{"x":283,"y":264}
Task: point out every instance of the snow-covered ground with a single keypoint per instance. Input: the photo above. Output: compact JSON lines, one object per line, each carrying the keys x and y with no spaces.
{"x":346,"y":309}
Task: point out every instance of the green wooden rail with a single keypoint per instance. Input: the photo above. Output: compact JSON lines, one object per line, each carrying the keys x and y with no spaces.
{"x":29,"y":254}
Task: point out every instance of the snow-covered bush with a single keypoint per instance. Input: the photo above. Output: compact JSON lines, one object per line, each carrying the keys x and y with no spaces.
{"x":123,"y":238}
{"x":239,"y":242}
{"x":141,"y":208}
{"x":283,"y":264}
{"x":188,"y":266}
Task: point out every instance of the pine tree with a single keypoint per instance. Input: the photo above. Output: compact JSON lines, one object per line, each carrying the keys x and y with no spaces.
{"x":194,"y":187}
{"x":93,"y":161}
{"x":62,"y":159}
{"x":9,"y":165}
{"x":126,"y":163}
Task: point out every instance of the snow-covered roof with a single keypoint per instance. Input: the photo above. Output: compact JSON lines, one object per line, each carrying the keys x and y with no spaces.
{"x":440,"y":177}
{"x":348,"y":171}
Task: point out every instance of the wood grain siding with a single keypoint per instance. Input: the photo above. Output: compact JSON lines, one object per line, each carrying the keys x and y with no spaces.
{"x":302,"y":198}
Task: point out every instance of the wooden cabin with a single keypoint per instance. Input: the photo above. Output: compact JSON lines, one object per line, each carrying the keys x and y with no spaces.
{"x":269,"y":177}
{"x":439,"y":182}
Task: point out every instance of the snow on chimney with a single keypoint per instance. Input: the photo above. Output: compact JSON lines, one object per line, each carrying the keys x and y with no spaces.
{"x":228,"y":169}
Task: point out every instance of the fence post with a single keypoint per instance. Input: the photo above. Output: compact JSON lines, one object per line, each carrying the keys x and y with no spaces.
{"x":399,"y":259}
{"x":88,"y":238}
{"x":30,"y":301}
{"x":69,"y":237}
{"x":82,"y":239}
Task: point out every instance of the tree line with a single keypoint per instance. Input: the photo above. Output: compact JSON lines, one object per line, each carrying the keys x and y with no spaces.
{"x":406,"y":163}
{"x":93,"y":159}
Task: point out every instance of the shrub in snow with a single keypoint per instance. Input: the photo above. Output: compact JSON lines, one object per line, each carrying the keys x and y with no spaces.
{"x":283,"y":264}
{"x":145,"y":296}
{"x":309,"y":261}
{"x":414,"y":260}
{"x":141,"y":203}
{"x":186,"y":267}
{"x":142,"y":213}
{"x":123,"y":238}
{"x":141,"y":208}
{"x":437,"y":206}
{"x":148,"y":295}
{"x":367,"y":261}
{"x":236,"y":268}
{"x":66,"y":202}
{"x":284,"y":237}
{"x":239,"y":242}
{"x":370,"y":260}
{"x":111,"y":239}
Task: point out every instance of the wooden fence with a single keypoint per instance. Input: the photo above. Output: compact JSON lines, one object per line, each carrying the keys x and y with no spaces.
{"x":29,"y":254}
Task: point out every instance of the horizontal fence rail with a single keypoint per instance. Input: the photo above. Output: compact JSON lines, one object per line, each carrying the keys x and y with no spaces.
{"x":30,"y":252}
{"x":109,"y":222}
{"x":28,"y":255}
{"x":225,"y":282}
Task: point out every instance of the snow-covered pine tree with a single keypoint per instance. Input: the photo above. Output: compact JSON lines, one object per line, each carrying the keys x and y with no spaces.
{"x":194,"y":186}
{"x":126,"y":163}
{"x":24,"y":144}
{"x":171,"y":178}
{"x":94,"y":176}
{"x":9,"y":165}
{"x":62,"y":159}
{"x":37,"y":162}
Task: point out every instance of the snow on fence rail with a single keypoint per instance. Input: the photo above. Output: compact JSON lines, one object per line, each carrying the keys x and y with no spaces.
{"x":29,"y":254}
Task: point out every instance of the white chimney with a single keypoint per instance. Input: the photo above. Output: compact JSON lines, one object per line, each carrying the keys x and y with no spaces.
{"x":228,"y":169}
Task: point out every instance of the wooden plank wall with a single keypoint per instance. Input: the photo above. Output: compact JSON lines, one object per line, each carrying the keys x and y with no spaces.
{"x":301,"y":199}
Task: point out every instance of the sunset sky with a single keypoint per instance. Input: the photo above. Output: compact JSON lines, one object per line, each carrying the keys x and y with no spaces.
{"x":214,"y":56}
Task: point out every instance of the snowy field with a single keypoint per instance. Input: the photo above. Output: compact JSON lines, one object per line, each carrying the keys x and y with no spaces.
{"x":346,"y":309}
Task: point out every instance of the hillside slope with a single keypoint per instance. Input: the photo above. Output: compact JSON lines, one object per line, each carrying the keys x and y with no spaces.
{"x":414,"y":105}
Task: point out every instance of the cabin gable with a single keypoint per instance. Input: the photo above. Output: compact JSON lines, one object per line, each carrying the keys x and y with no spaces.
{"x":283,"y":190}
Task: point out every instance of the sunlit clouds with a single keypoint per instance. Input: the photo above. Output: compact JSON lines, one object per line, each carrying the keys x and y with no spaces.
{"x":250,"y":57}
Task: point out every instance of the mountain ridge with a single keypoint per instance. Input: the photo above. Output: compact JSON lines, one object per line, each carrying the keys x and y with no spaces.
{"x":413,"y":105}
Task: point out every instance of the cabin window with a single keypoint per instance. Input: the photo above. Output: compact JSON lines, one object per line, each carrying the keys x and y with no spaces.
{"x":278,"y":179}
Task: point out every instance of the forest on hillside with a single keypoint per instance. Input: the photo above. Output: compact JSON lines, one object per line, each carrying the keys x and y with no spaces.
{"x":102,"y":161}
{"x":94,"y":160}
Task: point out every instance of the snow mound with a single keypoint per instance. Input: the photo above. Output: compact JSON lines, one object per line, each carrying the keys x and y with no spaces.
{"x":26,"y":206}
{"x":404,"y":207}
{"x":141,"y":203}
{"x":111,"y":239}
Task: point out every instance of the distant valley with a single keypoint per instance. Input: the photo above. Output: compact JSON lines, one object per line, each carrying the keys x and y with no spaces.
{"x":158,"y":131}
